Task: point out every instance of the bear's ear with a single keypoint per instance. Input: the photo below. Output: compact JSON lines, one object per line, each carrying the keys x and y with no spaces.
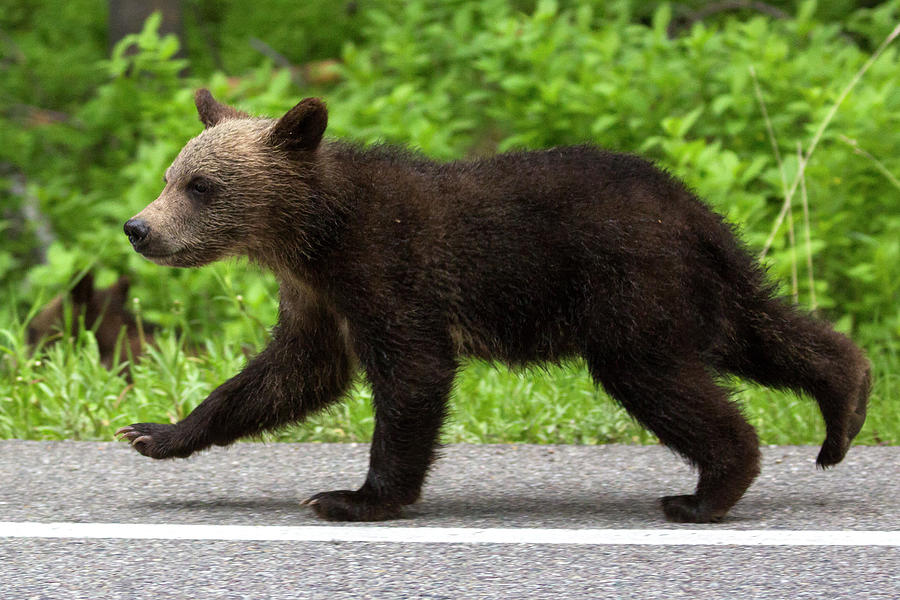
{"x":302,"y":127}
{"x":84,"y":289}
{"x":213,"y":112}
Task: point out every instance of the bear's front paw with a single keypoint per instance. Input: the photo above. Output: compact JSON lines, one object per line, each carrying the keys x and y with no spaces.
{"x":154,"y":440}
{"x":346,"y":505}
{"x":688,"y":509}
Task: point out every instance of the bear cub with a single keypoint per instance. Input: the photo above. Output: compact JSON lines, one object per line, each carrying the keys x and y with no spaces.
{"x":401,"y":266}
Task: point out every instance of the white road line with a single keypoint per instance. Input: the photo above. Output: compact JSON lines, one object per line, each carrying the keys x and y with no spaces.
{"x":451,"y":535}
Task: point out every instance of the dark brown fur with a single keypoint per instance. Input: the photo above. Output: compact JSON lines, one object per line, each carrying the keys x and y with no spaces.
{"x":105,"y":314}
{"x":402,"y":266}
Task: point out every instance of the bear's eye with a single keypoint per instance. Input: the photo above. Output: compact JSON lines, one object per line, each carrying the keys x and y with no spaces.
{"x":199,"y":187}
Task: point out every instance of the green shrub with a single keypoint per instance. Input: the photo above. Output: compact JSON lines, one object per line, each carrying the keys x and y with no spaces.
{"x":479,"y":77}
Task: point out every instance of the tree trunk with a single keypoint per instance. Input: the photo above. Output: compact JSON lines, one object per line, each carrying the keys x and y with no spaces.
{"x":128,"y":16}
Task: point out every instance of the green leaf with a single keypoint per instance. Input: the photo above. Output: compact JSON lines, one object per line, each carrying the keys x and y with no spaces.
{"x":661,"y":19}
{"x":679,"y":126}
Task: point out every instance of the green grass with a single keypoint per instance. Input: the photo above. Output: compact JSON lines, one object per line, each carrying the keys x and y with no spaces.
{"x":66,"y":394}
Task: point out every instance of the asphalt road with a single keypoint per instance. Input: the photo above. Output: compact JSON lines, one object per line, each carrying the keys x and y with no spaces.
{"x":505,"y":487}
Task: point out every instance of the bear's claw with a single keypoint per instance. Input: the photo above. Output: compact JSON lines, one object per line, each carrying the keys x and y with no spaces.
{"x":124,"y":431}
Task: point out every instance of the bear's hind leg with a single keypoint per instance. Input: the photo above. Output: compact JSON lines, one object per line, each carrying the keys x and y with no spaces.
{"x":693,"y":416}
{"x":785,"y":348}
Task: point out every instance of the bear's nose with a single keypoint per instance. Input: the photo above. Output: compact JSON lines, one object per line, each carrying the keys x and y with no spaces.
{"x":137,"y":231}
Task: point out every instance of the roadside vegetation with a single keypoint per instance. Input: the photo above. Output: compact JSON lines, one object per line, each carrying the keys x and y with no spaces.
{"x":788,"y":123}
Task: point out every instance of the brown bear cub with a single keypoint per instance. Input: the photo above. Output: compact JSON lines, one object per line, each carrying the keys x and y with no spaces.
{"x":105,"y":314}
{"x":402,"y":266}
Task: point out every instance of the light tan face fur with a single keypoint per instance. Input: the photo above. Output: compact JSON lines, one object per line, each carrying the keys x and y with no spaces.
{"x":233,"y":185}
{"x":187,"y":228}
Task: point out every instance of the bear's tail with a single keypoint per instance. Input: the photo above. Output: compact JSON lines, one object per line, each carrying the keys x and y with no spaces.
{"x":782,"y":347}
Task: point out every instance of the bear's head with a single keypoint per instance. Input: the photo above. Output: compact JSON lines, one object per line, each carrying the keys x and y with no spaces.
{"x":228,"y":188}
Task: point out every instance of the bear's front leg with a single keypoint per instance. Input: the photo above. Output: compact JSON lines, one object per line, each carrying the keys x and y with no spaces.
{"x":410,"y":394}
{"x":305,"y":367}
